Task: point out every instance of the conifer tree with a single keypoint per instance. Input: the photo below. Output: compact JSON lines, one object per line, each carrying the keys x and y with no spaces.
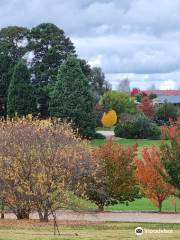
{"x":72,"y":99}
{"x":21,"y":99}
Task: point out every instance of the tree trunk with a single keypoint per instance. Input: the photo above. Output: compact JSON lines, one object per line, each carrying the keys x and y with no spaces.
{"x":22,"y":214}
{"x":2,"y":210}
{"x":43,"y":215}
{"x":160,"y":206}
{"x":101,"y":207}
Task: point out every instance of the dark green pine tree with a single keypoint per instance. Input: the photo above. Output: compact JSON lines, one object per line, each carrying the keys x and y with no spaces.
{"x":50,"y":48}
{"x":72,"y":98}
{"x":11,"y":50}
{"x":21,"y":100}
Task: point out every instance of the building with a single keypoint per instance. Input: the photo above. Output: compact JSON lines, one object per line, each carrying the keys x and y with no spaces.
{"x":175,"y":100}
{"x":163,"y":92}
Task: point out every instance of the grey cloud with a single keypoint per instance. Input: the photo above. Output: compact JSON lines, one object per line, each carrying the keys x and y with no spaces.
{"x":123,"y":36}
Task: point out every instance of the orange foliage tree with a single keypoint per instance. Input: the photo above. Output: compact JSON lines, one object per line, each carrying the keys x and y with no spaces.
{"x":114,"y":178}
{"x":40,"y":160}
{"x":153,"y":184}
{"x":109,"y":119}
{"x":147,"y":107}
{"x":170,"y":153}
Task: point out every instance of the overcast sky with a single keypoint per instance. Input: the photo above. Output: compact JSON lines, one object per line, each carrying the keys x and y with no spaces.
{"x":138,"y":39}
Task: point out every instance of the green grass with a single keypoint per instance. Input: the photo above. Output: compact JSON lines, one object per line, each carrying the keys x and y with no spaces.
{"x":91,"y":231}
{"x":141,"y":142}
{"x":126,"y":142}
{"x":105,"y":129}
{"x":145,"y":204}
{"x":139,"y":204}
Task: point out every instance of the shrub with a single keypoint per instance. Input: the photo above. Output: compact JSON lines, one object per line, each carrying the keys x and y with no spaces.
{"x":164,"y":112}
{"x":99,"y":136}
{"x":139,"y":127}
{"x":39,"y":161}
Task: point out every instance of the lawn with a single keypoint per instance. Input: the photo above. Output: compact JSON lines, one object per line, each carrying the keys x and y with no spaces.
{"x":33,"y":230}
{"x":139,"y":204}
{"x":141,"y":142}
{"x":143,"y":204}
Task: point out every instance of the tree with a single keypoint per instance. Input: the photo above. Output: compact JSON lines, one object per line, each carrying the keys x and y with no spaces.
{"x":152,"y":96}
{"x":166,"y":111}
{"x":109,"y":119}
{"x":135,"y":91}
{"x":114,"y":178}
{"x":21,"y":100}
{"x":86,"y":69}
{"x":98,"y":82}
{"x":124,"y":85}
{"x":41,"y":160}
{"x":50,"y":48}
{"x":120,"y":102}
{"x":170,"y":153}
{"x":13,"y":39}
{"x":154,"y":186}
{"x":152,"y":87}
{"x":147,"y":107}
{"x":12,"y":48}
{"x":72,"y":99}
{"x":138,"y":97}
{"x":5,"y":76}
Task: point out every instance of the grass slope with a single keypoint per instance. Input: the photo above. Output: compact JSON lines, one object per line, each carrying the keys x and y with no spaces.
{"x":86,"y":231}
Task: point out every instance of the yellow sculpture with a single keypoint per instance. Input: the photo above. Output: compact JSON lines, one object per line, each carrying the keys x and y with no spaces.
{"x":109,"y":119}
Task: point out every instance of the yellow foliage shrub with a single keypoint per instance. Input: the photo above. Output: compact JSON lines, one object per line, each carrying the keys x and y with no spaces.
{"x":109,"y":119}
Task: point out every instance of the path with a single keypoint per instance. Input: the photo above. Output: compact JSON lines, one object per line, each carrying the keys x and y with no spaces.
{"x":107,"y":134}
{"x":112,"y":216}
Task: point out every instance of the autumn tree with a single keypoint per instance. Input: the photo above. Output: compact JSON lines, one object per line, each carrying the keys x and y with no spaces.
{"x":147,"y":174}
{"x":113,"y":179}
{"x":109,"y":119}
{"x":40,"y":160}
{"x":135,"y":91}
{"x":147,"y":107}
{"x":170,"y":153}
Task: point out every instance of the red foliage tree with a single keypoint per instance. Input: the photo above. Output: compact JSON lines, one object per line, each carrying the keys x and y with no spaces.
{"x":170,"y":153}
{"x":148,"y":175}
{"x":173,"y":132}
{"x":147,"y":107}
{"x":135,"y":91}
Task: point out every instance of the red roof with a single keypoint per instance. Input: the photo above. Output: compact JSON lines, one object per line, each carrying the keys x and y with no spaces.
{"x":163,"y":92}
